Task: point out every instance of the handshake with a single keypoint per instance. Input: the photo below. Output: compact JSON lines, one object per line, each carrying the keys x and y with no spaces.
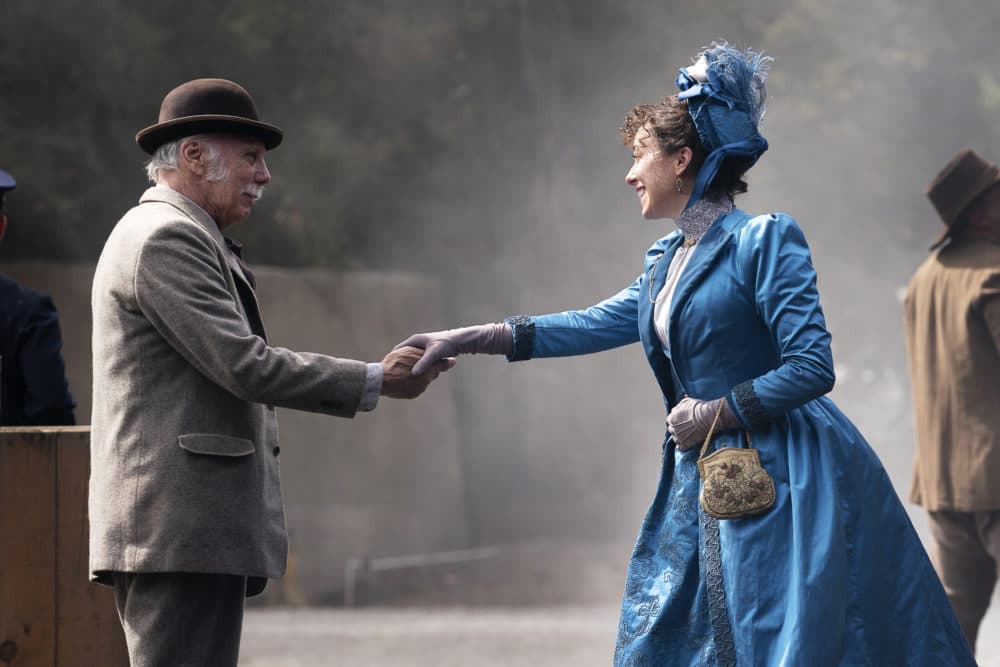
{"x":416,"y":362}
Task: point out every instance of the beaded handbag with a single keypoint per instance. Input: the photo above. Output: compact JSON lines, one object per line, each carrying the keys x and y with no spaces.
{"x":733,"y":482}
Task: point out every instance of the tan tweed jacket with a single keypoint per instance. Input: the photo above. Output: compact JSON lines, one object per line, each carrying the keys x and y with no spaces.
{"x":184,"y":458}
{"x":952,"y":318}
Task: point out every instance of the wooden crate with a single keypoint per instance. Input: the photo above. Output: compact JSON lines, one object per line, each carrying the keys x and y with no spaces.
{"x":50,"y":614}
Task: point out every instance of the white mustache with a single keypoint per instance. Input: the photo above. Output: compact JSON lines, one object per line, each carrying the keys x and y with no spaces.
{"x":255,"y":191}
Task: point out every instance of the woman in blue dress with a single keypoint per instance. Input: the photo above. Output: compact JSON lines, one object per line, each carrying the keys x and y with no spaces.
{"x":727,"y":312}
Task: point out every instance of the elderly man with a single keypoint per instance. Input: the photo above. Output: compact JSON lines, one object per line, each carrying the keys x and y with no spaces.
{"x":33,"y":387}
{"x":185,"y":504}
{"x":952,"y":317}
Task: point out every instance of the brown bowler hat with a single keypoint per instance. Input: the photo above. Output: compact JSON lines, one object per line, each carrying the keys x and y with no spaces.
{"x":207,"y":105}
{"x":954,"y":189}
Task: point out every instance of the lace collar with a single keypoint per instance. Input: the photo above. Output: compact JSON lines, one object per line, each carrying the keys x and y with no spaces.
{"x":697,"y":218}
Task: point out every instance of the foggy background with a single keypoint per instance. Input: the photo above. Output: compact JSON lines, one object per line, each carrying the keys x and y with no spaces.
{"x":463,"y":158}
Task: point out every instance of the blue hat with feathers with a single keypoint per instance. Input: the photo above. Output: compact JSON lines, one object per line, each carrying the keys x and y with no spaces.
{"x":725,"y":92}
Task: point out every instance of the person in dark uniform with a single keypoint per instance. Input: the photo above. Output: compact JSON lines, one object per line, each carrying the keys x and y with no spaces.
{"x":33,"y":387}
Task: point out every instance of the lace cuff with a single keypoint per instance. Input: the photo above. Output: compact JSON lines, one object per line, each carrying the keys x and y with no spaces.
{"x":749,"y":405}
{"x":524,"y":337}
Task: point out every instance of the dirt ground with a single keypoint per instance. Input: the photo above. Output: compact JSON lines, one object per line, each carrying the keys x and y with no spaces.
{"x":551,"y":637}
{"x":523,"y":607}
{"x":436,"y":637}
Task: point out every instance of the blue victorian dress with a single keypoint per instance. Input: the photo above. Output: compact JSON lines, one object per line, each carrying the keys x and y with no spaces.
{"x":833,"y":573}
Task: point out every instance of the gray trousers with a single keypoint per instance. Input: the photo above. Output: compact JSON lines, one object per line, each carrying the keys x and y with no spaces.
{"x":179,"y":619}
{"x":966,"y":555}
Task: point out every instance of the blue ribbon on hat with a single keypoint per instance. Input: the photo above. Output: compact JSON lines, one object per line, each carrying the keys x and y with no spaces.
{"x":726,"y":108}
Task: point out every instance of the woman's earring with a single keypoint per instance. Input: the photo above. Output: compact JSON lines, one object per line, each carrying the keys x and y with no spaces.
{"x":679,"y":184}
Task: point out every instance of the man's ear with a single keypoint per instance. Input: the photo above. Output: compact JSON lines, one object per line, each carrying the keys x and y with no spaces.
{"x":193,"y":154}
{"x":3,"y":225}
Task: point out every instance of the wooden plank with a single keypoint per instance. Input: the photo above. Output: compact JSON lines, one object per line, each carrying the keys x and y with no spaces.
{"x":27,"y":550}
{"x":88,"y":631}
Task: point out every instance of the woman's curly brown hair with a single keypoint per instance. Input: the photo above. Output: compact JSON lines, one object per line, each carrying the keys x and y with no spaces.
{"x":669,"y":121}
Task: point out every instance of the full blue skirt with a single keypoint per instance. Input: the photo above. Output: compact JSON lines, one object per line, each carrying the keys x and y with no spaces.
{"x":832,"y":574}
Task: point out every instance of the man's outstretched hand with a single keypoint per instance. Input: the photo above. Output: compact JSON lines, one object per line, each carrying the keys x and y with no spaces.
{"x":398,"y":380}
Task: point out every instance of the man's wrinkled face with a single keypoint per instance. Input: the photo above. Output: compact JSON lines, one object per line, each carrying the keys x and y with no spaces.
{"x":236,"y":181}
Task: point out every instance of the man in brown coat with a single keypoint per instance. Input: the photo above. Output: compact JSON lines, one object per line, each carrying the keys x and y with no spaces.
{"x":952,"y":317}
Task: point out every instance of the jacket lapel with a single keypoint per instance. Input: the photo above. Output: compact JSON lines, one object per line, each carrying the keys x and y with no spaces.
{"x":707,"y":250}
{"x":247,"y":297}
{"x":658,"y":272}
{"x":652,"y":284}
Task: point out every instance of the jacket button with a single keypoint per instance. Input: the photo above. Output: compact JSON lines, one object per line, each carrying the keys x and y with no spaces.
{"x":277,"y":450}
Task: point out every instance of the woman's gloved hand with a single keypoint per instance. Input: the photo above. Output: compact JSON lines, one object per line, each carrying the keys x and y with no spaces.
{"x":690,"y":420}
{"x":479,"y":339}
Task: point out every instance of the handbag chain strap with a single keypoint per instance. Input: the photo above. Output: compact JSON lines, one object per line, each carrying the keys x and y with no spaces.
{"x":711,"y":430}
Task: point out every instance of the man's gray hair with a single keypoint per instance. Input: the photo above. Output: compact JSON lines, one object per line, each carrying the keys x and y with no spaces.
{"x":165,"y":158}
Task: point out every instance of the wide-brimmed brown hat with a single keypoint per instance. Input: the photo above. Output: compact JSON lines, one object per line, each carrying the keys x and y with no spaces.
{"x":958,"y":185}
{"x":207,"y":105}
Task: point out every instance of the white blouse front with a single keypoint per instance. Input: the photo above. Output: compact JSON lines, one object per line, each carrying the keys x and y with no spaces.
{"x":661,"y":310}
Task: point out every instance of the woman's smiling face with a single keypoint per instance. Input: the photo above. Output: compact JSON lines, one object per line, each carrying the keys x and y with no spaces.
{"x":654,"y":176}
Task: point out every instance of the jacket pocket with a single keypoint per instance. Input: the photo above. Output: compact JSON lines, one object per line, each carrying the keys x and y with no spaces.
{"x":215,"y":445}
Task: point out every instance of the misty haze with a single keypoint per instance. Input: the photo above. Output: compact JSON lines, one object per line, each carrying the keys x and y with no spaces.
{"x":449,"y":163}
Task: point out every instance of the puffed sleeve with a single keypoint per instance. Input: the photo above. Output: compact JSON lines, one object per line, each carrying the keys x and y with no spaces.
{"x":605,"y":325}
{"x":775,"y":259}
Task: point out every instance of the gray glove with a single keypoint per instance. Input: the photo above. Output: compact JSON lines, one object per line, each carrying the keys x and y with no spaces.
{"x":479,"y":339}
{"x":690,"y":420}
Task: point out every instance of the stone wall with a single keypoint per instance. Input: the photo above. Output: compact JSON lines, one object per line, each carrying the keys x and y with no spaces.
{"x":493,"y":453}
{"x":383,"y":483}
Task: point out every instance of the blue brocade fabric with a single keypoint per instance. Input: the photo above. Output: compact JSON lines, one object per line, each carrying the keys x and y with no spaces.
{"x":834,"y":573}
{"x":667,"y":614}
